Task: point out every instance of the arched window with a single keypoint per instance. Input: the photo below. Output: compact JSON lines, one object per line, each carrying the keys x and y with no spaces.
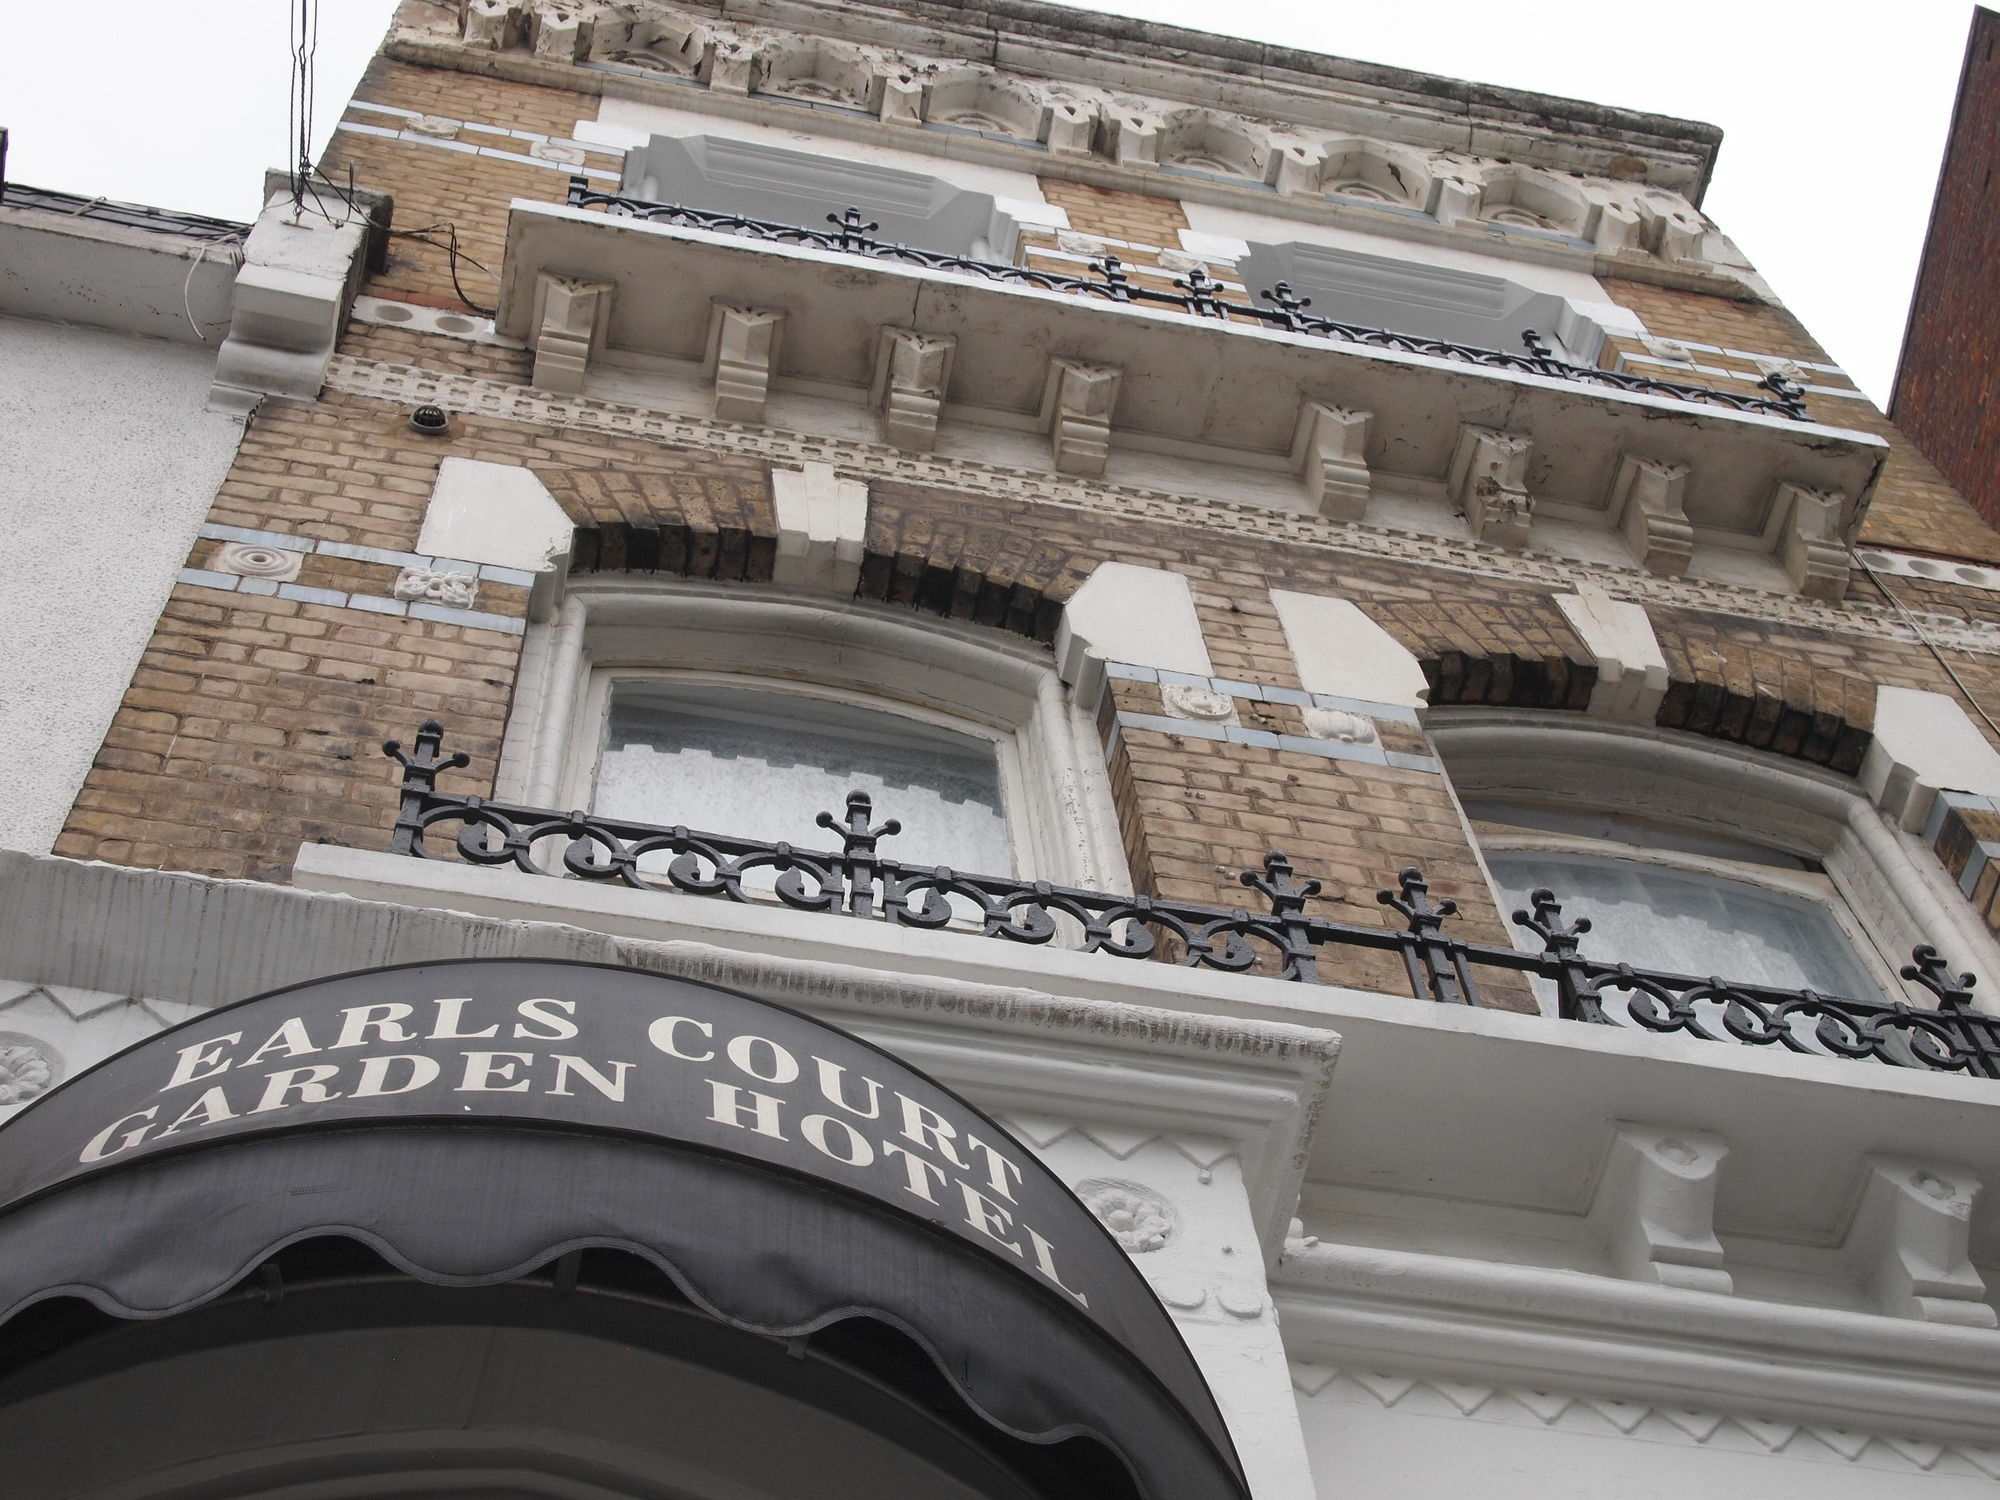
{"x":750,"y":711}
{"x":1700,"y":858}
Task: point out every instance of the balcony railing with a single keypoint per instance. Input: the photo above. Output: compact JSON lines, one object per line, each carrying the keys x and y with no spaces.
{"x":1285,"y":942}
{"x":1199,"y":295}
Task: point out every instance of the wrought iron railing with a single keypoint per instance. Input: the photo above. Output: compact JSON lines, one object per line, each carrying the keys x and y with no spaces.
{"x":1285,"y":942}
{"x":1198,"y":294}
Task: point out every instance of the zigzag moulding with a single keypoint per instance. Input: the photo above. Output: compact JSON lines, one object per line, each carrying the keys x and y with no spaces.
{"x":1607,"y":1416}
{"x":408,"y":385}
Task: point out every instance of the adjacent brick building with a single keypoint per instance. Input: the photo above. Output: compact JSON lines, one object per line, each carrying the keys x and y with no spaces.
{"x":1950,"y":366}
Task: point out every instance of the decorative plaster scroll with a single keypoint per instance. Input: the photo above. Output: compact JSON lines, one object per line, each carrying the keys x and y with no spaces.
{"x":1647,"y":506}
{"x":1655,"y":1206}
{"x":1816,"y":559}
{"x":1330,"y":452}
{"x":912,"y":374}
{"x":742,"y":353}
{"x":1340,"y":725}
{"x":568,"y":329}
{"x":1909,"y":1243}
{"x":1076,"y":412}
{"x":405,"y":385}
{"x":1488,"y":481}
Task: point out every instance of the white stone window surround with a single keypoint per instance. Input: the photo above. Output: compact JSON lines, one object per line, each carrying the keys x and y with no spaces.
{"x":1056,"y":794}
{"x":627,"y":124}
{"x":1886,"y":891}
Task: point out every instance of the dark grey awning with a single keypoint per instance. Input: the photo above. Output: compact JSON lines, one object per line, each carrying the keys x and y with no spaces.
{"x":472,"y":1121}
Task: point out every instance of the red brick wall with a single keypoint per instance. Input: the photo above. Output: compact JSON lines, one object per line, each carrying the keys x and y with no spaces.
{"x":1945,"y":388}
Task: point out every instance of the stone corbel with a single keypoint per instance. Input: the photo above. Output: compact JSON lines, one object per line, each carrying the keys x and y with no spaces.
{"x":902,"y":98}
{"x":1072,"y":123}
{"x":728,"y":66}
{"x":1815,"y":558}
{"x":1458,"y":200}
{"x":1617,"y":231}
{"x":1132,"y":139}
{"x":1908,"y":1243}
{"x":1655,"y":1207}
{"x":1488,"y":481}
{"x":1330,"y":453}
{"x":742,"y":353}
{"x":569,"y":328}
{"x":560,"y":35}
{"x":912,"y":373}
{"x":1647,"y":506}
{"x":1076,"y":413}
{"x":497,"y":24}
{"x":1298,"y":168}
{"x":293,"y":288}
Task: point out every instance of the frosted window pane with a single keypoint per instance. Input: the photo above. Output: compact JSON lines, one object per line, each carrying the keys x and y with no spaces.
{"x":1658,"y":918}
{"x":764,"y":765}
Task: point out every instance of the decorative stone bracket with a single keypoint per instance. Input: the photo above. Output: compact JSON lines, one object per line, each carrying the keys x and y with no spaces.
{"x":1076,"y":413}
{"x":569,"y":322}
{"x":1647,"y":506}
{"x":1908,"y":1243}
{"x":1816,"y":559}
{"x":298,"y":277}
{"x":1488,"y":480}
{"x":1655,"y":1206}
{"x":912,"y":374}
{"x":822,"y":529}
{"x":742,"y":354}
{"x":1330,"y":454}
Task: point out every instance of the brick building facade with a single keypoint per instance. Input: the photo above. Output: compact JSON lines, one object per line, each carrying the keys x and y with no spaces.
{"x":1188,"y":450}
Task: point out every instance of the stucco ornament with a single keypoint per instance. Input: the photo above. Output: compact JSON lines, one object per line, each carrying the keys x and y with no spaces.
{"x":256,"y":560}
{"x":25,"y":1072}
{"x":1339,"y":724}
{"x":434,"y":586}
{"x":1138,"y":1218}
{"x":1183,"y":701}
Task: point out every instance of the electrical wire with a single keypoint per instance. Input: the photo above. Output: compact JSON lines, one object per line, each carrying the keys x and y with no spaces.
{"x":304,"y":44}
{"x":187,"y":286}
{"x":1916,"y":628}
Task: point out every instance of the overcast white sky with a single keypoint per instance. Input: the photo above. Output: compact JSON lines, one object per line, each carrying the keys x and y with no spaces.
{"x":1835,"y":110}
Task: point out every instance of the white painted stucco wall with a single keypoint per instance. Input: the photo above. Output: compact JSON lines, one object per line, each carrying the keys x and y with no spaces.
{"x":108,"y":462}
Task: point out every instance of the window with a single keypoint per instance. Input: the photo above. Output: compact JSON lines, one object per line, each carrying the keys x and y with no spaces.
{"x":1665,"y":897}
{"x":749,"y":711}
{"x":764,"y":765}
{"x":1701,"y":858}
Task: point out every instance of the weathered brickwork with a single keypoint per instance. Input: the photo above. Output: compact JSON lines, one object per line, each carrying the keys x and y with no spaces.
{"x":252,"y":725}
{"x":1138,"y":217}
{"x":1914,"y":506}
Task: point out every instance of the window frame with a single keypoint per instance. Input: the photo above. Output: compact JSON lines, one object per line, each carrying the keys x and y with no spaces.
{"x":1883,"y":888}
{"x":1056,"y":795}
{"x":584,"y":759}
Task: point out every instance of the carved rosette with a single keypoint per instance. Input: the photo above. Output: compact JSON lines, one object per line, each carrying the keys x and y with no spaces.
{"x":25,"y":1072}
{"x":1138,"y":1218}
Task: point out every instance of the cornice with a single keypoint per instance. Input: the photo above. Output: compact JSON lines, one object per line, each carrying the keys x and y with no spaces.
{"x":408,"y":385}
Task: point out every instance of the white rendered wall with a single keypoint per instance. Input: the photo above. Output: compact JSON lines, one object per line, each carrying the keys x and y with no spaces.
{"x":108,"y":463}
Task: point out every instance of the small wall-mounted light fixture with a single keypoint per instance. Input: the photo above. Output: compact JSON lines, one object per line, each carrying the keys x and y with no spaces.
{"x":431,"y":421}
